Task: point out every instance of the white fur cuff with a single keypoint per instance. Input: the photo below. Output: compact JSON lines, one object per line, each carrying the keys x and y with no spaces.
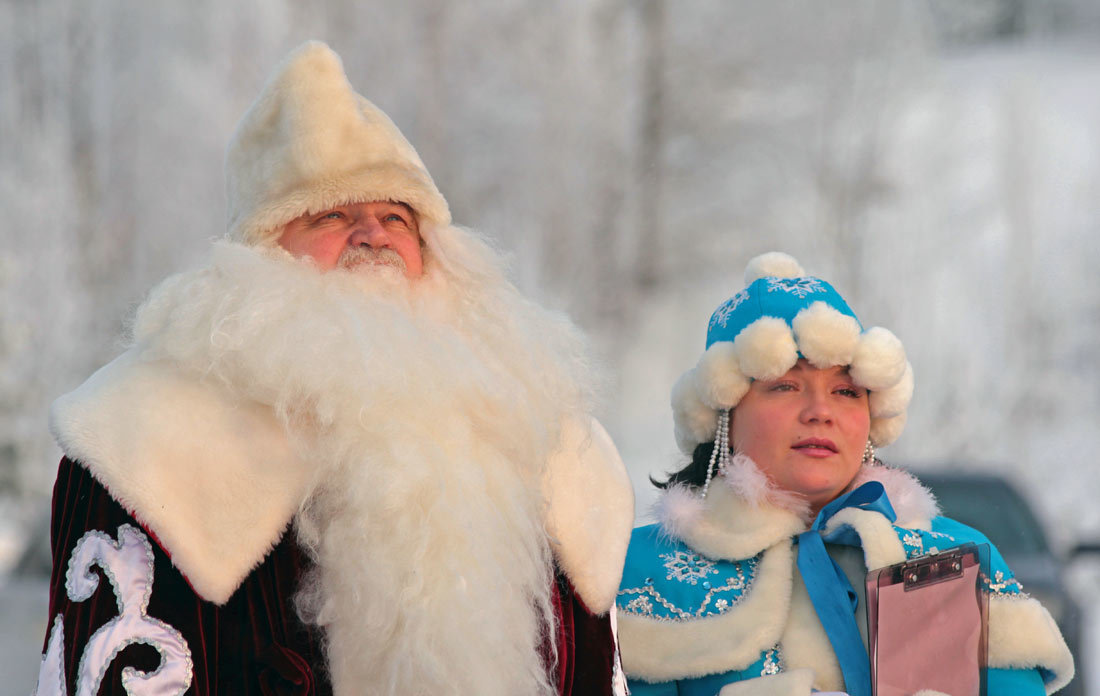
{"x":1023,"y":635}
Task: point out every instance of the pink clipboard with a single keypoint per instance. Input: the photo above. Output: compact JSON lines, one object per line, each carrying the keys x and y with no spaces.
{"x":927,"y":621}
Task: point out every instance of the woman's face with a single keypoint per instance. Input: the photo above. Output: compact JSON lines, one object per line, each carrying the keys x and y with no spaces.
{"x":806,"y":430}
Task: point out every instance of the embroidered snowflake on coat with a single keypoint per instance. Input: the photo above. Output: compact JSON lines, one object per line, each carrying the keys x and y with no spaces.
{"x":773,"y":662}
{"x":687,"y":567}
{"x":639,"y":605}
{"x":722,"y":314}
{"x":800,"y":287}
{"x":917,"y":542}
{"x":1001,"y":586}
{"x":675,"y":597}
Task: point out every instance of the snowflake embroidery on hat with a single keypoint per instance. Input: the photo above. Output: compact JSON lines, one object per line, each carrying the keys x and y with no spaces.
{"x":722,"y":314}
{"x":687,"y":567}
{"x":799,"y":287}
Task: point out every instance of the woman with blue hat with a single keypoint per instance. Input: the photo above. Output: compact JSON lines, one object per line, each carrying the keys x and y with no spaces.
{"x":752,"y":582}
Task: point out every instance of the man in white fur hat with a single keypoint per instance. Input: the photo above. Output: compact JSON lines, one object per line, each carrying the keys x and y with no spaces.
{"x":345,"y":456}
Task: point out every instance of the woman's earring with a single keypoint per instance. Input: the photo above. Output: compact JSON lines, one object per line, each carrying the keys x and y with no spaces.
{"x":869,"y":453}
{"x":720,"y":457}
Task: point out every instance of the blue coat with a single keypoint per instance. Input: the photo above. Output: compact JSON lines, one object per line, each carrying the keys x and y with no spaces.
{"x":711,"y":597}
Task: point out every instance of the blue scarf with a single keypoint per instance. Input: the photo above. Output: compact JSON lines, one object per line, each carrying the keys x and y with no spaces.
{"x":832,"y":595}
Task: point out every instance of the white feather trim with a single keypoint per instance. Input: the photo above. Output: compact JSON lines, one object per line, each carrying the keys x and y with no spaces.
{"x":694,"y":421}
{"x":729,"y":526}
{"x":885,"y":430}
{"x":894,"y":400}
{"x":745,"y":479}
{"x":825,"y":336}
{"x":718,"y":380}
{"x":913,"y":503}
{"x":679,"y":509}
{"x":774,"y":264}
{"x":766,"y":348}
{"x":879,"y":360}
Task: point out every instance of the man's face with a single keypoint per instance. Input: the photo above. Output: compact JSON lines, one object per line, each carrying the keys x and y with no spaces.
{"x":377,"y":233}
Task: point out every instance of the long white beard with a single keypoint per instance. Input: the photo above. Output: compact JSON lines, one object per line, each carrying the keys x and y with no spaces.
{"x":428,"y":412}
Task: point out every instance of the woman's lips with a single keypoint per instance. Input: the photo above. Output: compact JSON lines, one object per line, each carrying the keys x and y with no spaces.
{"x":816,"y":447}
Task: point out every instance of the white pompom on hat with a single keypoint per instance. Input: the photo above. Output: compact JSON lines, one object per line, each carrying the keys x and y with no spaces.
{"x":309,"y":143}
{"x":760,"y":333}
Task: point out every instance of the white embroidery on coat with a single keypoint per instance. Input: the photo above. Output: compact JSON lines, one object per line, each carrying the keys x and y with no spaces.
{"x":128,"y":565}
{"x":773,"y":662}
{"x":643,"y":606}
{"x":51,"y":675}
{"x":1003,"y":587}
{"x":687,"y":567}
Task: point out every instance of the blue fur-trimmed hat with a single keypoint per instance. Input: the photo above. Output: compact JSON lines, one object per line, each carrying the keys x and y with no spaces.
{"x":761,"y":332}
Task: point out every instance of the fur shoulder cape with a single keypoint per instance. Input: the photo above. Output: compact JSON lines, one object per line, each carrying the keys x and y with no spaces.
{"x":217,"y":481}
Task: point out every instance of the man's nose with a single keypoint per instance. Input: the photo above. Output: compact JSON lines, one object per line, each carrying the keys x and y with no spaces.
{"x":369,"y":231}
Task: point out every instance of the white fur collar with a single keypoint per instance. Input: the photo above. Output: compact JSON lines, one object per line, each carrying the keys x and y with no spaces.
{"x":744,"y":514}
{"x":216,"y":480}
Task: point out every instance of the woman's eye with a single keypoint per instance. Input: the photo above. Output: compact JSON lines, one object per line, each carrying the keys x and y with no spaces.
{"x":850,"y":392}
{"x":781,"y":386}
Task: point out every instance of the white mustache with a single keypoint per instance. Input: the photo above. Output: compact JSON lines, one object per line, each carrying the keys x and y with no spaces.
{"x":353,"y":257}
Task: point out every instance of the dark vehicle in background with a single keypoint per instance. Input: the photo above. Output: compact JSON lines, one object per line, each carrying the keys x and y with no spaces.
{"x":992,"y":505}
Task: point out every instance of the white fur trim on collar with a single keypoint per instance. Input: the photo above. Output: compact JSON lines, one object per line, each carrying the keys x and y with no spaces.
{"x":743,"y":513}
{"x":914,"y":504}
{"x":590,"y":511}
{"x":726,"y":525}
{"x":880,"y":543}
{"x":214,"y":479}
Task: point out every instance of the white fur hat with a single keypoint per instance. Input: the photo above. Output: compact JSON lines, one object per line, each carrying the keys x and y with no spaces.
{"x":309,"y":143}
{"x":763,"y":330}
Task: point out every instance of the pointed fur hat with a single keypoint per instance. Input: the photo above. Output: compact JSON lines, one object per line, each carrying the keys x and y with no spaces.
{"x":309,"y":142}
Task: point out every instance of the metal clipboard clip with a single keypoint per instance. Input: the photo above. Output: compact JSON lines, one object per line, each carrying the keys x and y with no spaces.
{"x":931,"y":569}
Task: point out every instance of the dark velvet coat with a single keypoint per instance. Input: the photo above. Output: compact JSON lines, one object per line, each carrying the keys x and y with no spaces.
{"x":254,"y":643}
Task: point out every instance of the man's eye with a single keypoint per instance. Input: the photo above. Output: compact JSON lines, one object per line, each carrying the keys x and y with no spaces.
{"x":332,"y":215}
{"x":394,"y":217}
